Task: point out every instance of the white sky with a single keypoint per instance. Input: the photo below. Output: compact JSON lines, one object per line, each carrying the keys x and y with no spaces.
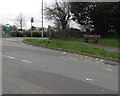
{"x":10,"y":9}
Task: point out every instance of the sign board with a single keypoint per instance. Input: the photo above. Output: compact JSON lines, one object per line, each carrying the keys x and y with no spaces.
{"x":7,"y":29}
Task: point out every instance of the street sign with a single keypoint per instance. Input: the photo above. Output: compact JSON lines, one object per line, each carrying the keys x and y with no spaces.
{"x":32,"y":20}
{"x":7,"y":29}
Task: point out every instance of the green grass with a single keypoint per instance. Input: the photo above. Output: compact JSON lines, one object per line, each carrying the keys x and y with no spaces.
{"x":71,"y":39}
{"x":5,"y":36}
{"x":59,"y":44}
{"x":109,"y":42}
{"x":106,"y":42}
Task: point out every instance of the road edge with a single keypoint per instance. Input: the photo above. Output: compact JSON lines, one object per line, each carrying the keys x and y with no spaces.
{"x":80,"y":53}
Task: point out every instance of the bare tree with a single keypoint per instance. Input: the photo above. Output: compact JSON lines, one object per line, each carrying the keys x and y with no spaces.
{"x":20,"y":21}
{"x":14,"y":28}
{"x":59,"y":12}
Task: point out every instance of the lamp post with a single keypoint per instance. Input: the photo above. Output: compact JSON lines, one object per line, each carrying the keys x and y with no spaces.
{"x":42,"y":20}
{"x":32,"y":20}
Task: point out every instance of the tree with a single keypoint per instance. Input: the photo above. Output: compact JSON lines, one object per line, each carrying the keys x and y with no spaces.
{"x":115,"y":18}
{"x":21,"y":21}
{"x":14,"y":28}
{"x":81,"y":13}
{"x":60,"y":13}
{"x":103,"y":16}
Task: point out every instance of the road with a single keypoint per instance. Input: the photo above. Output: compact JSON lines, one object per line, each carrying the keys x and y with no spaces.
{"x":30,"y":69}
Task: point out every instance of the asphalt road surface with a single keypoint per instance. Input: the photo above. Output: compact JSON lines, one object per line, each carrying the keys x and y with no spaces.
{"x":29,"y":69}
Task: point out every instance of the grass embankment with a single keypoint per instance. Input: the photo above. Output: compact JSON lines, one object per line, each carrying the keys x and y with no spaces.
{"x":59,"y":44}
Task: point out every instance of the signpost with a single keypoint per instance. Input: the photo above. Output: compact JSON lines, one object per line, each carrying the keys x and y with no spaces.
{"x":7,"y":29}
{"x":42,"y":19}
{"x":32,"y":20}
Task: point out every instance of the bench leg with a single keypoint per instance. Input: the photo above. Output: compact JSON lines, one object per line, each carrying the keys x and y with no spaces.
{"x":85,"y":40}
{"x":95,"y":41}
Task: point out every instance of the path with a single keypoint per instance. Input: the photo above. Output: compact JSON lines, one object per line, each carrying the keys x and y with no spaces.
{"x":114,"y":49}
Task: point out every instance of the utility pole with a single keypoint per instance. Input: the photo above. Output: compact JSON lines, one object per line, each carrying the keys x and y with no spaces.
{"x":42,"y":19}
{"x":32,"y":20}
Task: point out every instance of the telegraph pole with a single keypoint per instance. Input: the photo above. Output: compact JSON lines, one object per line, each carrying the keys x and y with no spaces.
{"x":42,"y":19}
{"x":32,"y":20}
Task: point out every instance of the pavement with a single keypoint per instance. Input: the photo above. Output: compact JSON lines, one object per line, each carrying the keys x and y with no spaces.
{"x":28,"y":69}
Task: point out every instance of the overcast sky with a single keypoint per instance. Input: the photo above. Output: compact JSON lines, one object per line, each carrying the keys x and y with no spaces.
{"x":10,"y":9}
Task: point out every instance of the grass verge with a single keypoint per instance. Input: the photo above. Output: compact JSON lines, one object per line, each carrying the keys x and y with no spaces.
{"x":59,"y":44}
{"x":103,"y":41}
{"x":110,"y":42}
{"x":5,"y":36}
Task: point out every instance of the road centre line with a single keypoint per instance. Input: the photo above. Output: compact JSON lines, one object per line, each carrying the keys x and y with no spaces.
{"x":88,"y":79}
{"x":26,"y":61}
{"x":10,"y":57}
{"x":109,"y":69}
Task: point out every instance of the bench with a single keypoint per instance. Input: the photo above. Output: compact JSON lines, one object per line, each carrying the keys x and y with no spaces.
{"x":93,"y":37}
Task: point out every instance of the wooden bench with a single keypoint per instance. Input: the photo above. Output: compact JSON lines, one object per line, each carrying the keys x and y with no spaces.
{"x":93,"y":37}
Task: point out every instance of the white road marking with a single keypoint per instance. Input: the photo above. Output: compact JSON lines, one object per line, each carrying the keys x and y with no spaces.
{"x":101,"y":60}
{"x":98,"y":62}
{"x":10,"y":57}
{"x":86,"y":56}
{"x":109,"y":69}
{"x":88,"y":79}
{"x":109,"y":66}
{"x":97,"y":59}
{"x":64,"y":53}
{"x":26,"y":61}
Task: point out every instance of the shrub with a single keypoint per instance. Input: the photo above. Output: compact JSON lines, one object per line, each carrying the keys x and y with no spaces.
{"x":67,"y":33}
{"x":17,"y":34}
{"x":28,"y":34}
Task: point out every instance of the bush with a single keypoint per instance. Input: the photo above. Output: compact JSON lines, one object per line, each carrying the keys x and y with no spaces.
{"x":36,"y":34}
{"x":46,"y":34}
{"x":17,"y":34}
{"x":68,"y":33}
{"x":28,"y":34}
